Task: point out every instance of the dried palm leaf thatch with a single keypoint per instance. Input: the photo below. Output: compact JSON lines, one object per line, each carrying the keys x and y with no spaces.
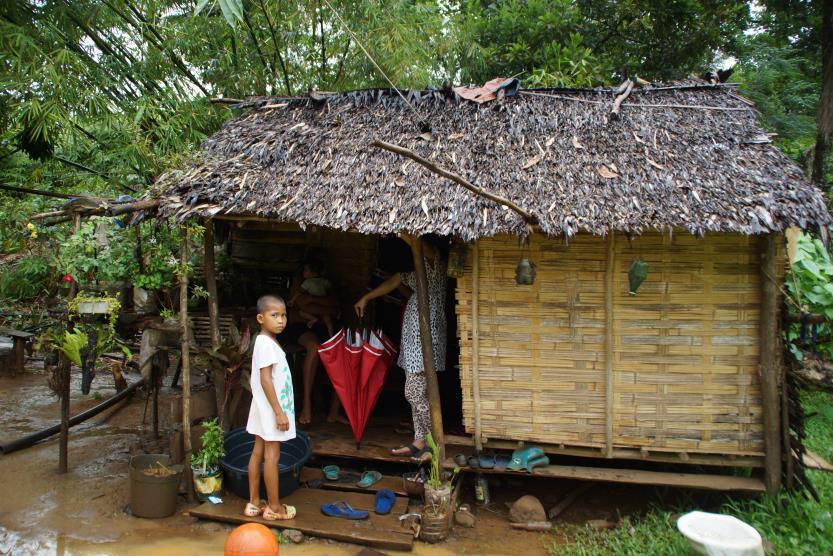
{"x":684,"y":156}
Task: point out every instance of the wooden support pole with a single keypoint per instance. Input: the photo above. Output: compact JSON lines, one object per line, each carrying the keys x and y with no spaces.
{"x":610,"y":269}
{"x":427,"y":346}
{"x":186,"y":361}
{"x":475,"y":346}
{"x":65,"y":366}
{"x":214,"y":315}
{"x":769,"y":370}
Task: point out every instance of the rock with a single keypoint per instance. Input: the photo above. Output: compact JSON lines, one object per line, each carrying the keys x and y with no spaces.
{"x":527,"y":508}
{"x":464,"y":518}
{"x":294,"y":536}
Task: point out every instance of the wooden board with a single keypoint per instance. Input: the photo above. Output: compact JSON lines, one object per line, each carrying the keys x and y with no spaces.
{"x":393,"y":483}
{"x":378,"y":531}
{"x":812,"y":460}
{"x":635,"y":476}
{"x":336,"y":440}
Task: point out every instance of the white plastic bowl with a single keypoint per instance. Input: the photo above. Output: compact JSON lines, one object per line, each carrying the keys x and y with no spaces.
{"x":720,"y":535}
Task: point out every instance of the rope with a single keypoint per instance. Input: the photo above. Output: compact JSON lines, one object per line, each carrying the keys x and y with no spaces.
{"x":422,"y":122}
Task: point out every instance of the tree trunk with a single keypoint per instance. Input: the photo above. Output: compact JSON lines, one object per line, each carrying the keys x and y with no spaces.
{"x":824,"y":115}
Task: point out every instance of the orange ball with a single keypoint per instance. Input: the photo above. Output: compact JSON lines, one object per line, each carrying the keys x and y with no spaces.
{"x":251,"y":539}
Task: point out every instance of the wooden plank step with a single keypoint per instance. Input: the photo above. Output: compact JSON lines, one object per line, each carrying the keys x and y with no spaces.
{"x":378,"y":531}
{"x":636,"y":476}
{"x":388,"y":481}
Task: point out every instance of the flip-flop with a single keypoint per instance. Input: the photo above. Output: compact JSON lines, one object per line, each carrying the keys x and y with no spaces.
{"x":385,"y":499}
{"x":474,"y":462}
{"x":343,"y":510}
{"x":460,"y":460}
{"x":501,"y":461}
{"x":486,"y":461}
{"x":369,"y":478}
{"x":331,"y":472}
{"x":271,"y":515}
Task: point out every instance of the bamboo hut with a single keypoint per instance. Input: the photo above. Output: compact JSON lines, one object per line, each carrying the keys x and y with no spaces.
{"x":680,"y":176}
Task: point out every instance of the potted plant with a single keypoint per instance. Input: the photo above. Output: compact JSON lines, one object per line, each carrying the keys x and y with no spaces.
{"x":205,"y":463}
{"x":437,"y":508}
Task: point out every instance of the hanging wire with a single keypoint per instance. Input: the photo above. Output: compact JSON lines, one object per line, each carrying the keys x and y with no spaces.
{"x":423,"y":124}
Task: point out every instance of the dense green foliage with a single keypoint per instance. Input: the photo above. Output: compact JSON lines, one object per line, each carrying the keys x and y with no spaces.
{"x":794,"y":524}
{"x":810,"y":286}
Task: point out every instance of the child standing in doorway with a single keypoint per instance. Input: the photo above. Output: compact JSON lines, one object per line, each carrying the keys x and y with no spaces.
{"x":272,"y":414}
{"x":316,"y":285}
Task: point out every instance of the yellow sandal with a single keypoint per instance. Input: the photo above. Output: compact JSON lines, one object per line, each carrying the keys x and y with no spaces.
{"x":271,"y":515}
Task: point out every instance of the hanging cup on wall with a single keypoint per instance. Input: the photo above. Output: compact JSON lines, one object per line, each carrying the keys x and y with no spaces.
{"x":636,"y":275}
{"x":525,"y":272}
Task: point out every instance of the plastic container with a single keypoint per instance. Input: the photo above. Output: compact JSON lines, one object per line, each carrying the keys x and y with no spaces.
{"x":720,"y":535}
{"x":153,"y":496}
{"x":239,"y":444}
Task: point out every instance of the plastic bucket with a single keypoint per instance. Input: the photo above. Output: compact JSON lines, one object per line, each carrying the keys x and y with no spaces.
{"x":720,"y":535}
{"x":239,"y":444}
{"x":150,"y":495}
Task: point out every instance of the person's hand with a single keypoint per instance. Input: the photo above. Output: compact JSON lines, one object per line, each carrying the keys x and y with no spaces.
{"x":360,"y":306}
{"x":281,"y":421}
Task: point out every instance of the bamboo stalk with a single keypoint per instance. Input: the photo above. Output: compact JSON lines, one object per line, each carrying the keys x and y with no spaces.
{"x":475,"y":347}
{"x":427,"y":346}
{"x":609,"y":272}
{"x":214,"y":315}
{"x":769,"y":371}
{"x":185,"y":358}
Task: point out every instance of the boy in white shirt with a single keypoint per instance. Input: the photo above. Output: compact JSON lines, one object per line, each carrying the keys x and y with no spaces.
{"x":272,"y":414}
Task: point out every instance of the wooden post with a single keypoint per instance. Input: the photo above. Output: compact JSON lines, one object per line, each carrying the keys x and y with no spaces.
{"x":609,"y":281}
{"x":214,"y":315}
{"x":475,"y":346}
{"x":185,"y":358}
{"x":428,"y":347}
{"x":65,"y":368}
{"x":768,"y":367}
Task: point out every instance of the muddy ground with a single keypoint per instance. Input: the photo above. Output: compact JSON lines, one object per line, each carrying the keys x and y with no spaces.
{"x":84,"y":511}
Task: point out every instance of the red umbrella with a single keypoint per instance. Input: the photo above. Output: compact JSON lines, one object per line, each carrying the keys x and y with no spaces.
{"x":357,"y":369}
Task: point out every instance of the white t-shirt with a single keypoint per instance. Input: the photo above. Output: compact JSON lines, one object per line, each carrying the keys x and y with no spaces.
{"x":267,"y":353}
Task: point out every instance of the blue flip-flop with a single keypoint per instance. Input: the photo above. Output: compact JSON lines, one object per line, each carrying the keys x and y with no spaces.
{"x":486,"y":461}
{"x":369,"y":478}
{"x":343,"y":510}
{"x":501,"y":461}
{"x":385,"y":499}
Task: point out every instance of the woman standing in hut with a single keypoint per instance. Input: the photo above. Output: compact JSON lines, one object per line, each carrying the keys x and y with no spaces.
{"x":410,"y":355}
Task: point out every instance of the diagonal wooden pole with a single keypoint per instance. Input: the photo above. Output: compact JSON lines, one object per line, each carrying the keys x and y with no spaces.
{"x":428,"y":347}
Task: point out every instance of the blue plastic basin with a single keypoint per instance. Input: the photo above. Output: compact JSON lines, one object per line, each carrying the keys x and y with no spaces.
{"x":239,"y":445}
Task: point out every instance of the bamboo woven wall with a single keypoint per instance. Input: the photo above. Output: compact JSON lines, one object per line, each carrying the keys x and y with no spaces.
{"x":684,"y":349}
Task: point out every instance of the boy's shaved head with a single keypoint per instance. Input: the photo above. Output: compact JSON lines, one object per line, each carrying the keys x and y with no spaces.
{"x":266,"y":301}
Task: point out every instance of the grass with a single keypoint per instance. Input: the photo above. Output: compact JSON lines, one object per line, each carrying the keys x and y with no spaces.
{"x":791,"y":523}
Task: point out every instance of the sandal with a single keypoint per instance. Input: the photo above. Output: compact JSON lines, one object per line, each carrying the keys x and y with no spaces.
{"x":369,"y":478}
{"x":270,"y":515}
{"x":331,"y":472}
{"x":251,"y":510}
{"x":414,"y":452}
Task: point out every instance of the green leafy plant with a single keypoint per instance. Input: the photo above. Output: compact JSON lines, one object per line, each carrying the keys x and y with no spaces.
{"x":27,"y":279}
{"x":810,"y":285}
{"x":71,"y":345}
{"x":212,"y":446}
{"x":97,"y":251}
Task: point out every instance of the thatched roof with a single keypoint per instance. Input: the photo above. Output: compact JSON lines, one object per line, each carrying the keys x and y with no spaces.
{"x":686,"y":156}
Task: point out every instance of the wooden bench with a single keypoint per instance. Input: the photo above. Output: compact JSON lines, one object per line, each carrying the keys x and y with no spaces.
{"x":13,"y":357}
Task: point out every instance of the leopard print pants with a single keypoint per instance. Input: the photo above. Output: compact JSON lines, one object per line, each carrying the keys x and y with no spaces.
{"x":416,"y":392}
